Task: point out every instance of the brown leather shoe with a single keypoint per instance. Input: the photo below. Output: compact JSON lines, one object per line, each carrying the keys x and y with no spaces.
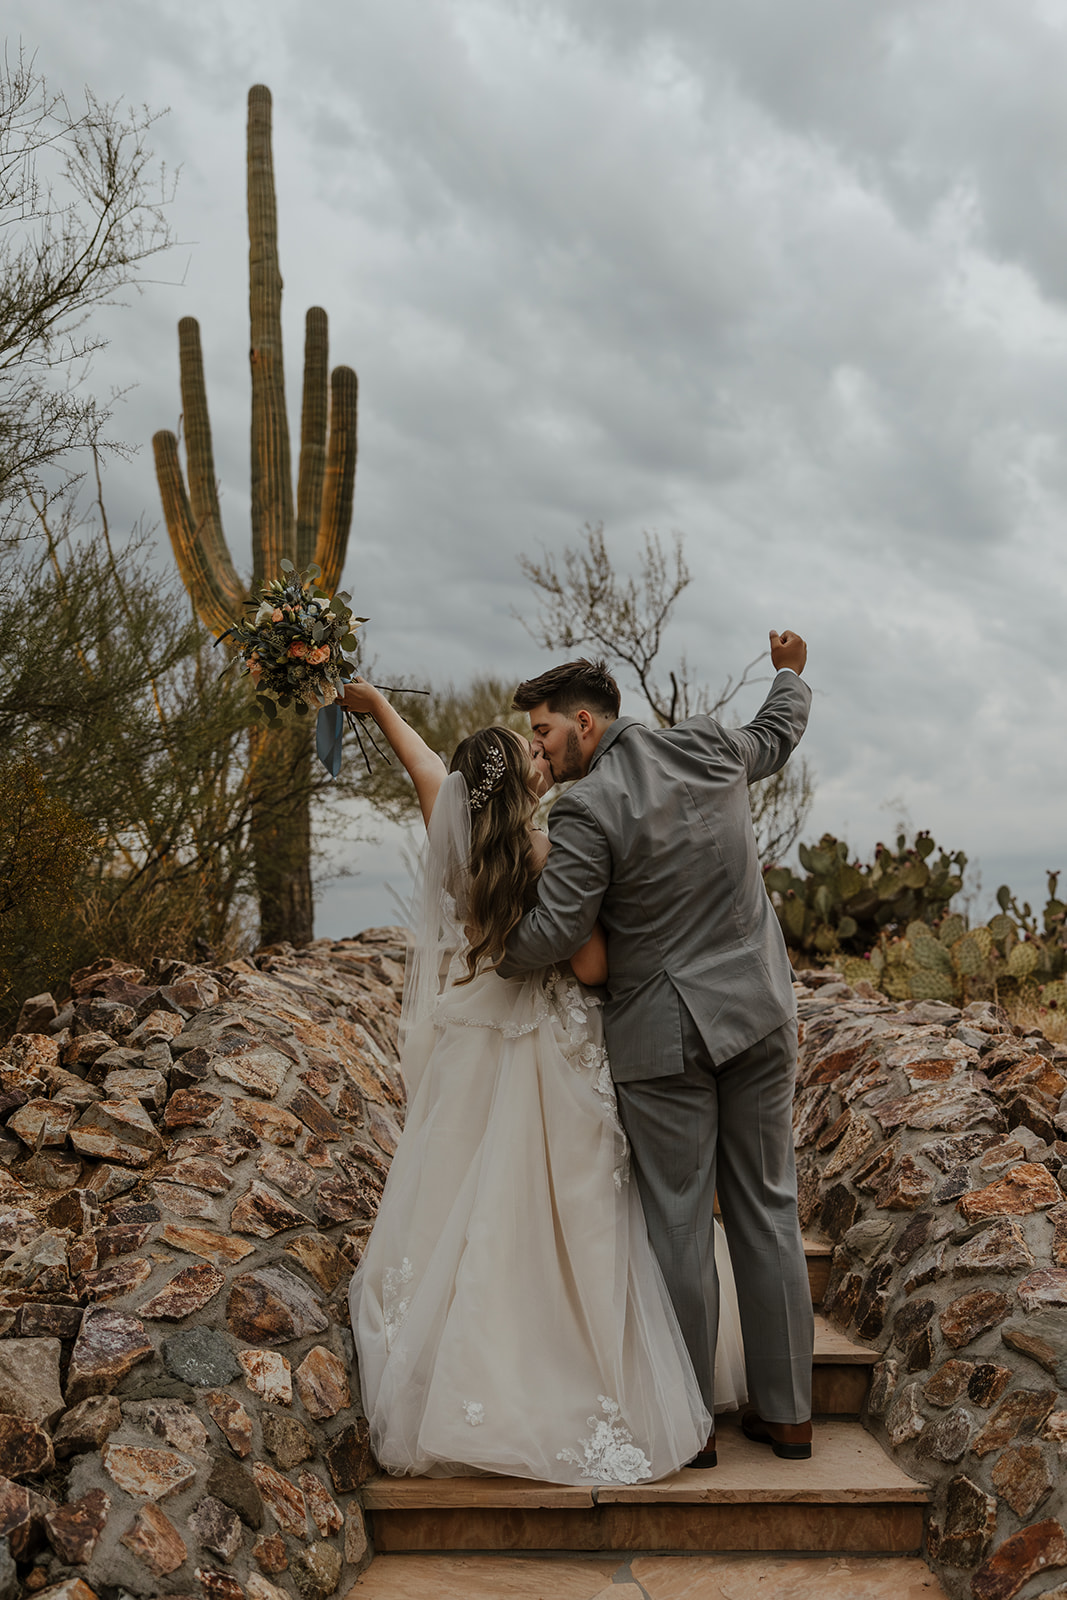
{"x":706,"y":1457}
{"x":790,"y":1440}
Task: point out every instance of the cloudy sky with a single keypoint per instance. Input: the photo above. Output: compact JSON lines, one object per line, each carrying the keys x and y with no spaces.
{"x":789,"y":279}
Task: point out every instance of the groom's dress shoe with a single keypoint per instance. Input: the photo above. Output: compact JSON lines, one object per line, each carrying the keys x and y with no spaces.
{"x":706,"y":1457}
{"x":790,"y":1440}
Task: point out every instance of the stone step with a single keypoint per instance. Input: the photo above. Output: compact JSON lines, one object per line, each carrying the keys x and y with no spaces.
{"x":840,"y":1373}
{"x":647,"y":1577}
{"x":818,"y":1256}
{"x":849,"y":1497}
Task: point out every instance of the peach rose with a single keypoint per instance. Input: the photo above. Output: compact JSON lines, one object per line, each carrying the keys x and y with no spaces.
{"x":277,"y":614}
{"x":317,"y":656}
{"x":298,"y":649}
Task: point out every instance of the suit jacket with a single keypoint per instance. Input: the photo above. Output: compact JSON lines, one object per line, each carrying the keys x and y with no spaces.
{"x":656,"y":840}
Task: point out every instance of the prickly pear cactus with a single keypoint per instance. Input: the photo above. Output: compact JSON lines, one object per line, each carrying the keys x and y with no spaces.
{"x":888,"y":923}
{"x":842,"y":908}
{"x":1023,"y":960}
{"x":928,"y":953}
{"x":898,"y":968}
{"x":968,"y":955}
{"x":928,"y":985}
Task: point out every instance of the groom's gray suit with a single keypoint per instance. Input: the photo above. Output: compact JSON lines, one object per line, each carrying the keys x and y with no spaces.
{"x":656,"y":841}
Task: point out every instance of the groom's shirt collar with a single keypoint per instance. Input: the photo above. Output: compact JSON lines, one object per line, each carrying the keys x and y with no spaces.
{"x":608,"y":737}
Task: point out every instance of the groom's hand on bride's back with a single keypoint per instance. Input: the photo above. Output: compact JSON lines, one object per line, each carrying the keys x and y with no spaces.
{"x":788,"y":650}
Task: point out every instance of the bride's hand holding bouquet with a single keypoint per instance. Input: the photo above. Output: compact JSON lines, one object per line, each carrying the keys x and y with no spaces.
{"x":361,"y":698}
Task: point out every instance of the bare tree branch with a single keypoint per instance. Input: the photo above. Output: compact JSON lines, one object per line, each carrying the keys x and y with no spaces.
{"x":82,"y":208}
{"x":584,"y":601}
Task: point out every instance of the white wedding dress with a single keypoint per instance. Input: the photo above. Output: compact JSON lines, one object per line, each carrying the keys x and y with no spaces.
{"x":508,"y":1312}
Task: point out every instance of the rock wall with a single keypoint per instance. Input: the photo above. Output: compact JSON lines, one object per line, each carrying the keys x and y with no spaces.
{"x":190,"y":1160}
{"x":932,"y":1150}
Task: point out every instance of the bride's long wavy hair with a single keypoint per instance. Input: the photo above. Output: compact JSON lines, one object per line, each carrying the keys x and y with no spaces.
{"x":503,"y":875}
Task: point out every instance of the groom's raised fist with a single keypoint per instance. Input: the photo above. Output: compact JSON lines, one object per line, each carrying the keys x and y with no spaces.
{"x":788,"y":650}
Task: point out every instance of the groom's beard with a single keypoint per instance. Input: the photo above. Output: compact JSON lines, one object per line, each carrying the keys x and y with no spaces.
{"x":571,"y":766}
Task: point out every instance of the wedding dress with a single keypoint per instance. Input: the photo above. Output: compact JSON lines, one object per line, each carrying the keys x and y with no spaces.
{"x":508,"y":1312}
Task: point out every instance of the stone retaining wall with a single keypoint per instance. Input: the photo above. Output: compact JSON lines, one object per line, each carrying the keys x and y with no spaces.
{"x":189,"y":1165}
{"x":932,"y":1151}
{"x":190,"y":1160}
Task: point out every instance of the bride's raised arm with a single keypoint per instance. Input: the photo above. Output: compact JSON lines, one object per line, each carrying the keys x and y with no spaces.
{"x":426,"y":769}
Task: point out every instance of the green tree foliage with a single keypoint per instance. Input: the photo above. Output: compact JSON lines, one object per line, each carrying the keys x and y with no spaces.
{"x":81,"y":210}
{"x":586,"y":603}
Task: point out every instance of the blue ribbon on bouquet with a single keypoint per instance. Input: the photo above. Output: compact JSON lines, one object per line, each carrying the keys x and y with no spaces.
{"x":330,"y":726}
{"x":329,"y":731}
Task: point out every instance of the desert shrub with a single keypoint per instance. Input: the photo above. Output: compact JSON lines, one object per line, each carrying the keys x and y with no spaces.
{"x":45,"y":848}
{"x":111,"y":684}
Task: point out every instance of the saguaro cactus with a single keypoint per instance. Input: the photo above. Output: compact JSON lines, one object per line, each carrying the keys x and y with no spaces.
{"x":317,"y":531}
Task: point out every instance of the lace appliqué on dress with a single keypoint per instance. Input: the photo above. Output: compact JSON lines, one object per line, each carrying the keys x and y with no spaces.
{"x":394,"y":1302}
{"x":474,"y":1412}
{"x":572,"y":1005}
{"x":609,"y":1455}
{"x":605,"y":1088}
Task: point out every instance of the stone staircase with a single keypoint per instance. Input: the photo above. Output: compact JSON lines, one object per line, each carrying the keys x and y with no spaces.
{"x":849,"y":1500}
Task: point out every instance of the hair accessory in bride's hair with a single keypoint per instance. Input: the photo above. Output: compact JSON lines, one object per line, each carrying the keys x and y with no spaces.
{"x":492,"y":772}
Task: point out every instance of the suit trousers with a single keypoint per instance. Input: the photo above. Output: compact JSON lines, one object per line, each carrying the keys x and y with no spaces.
{"x":729,"y":1127}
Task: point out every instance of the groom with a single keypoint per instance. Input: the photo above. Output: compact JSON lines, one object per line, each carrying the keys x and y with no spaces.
{"x":656,"y":841}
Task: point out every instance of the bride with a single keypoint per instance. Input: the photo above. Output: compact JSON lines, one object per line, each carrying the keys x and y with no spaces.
{"x":508,"y":1312}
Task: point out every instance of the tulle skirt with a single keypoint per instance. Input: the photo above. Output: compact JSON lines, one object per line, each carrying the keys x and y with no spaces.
{"x":509,"y":1314}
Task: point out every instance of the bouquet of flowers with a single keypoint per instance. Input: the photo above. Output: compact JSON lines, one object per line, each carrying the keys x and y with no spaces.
{"x":294,"y":650}
{"x":294,"y":646}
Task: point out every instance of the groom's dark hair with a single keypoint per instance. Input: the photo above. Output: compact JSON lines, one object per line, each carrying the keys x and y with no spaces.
{"x":575,"y":686}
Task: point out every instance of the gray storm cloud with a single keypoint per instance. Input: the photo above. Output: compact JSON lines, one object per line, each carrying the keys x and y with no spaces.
{"x":788,"y":279}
